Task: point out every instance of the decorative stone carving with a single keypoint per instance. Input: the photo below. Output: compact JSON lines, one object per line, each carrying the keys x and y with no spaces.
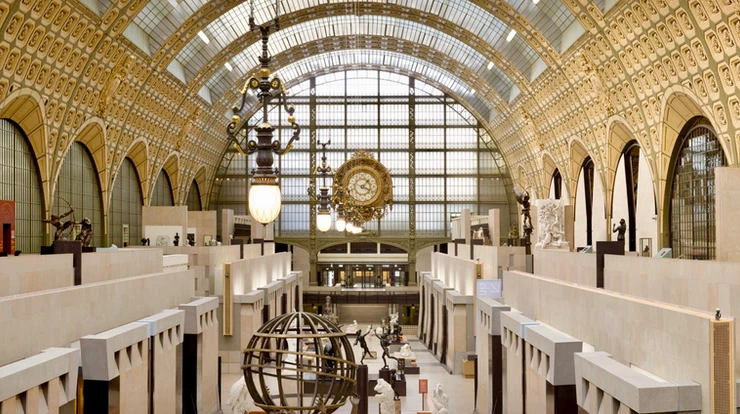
{"x":440,"y":400}
{"x":384,"y":397}
{"x":551,"y":221}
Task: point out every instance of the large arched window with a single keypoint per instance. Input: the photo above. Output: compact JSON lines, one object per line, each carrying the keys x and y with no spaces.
{"x":19,"y":182}
{"x":79,"y":187}
{"x":440,"y":159}
{"x":585,"y":205}
{"x":162,"y":190}
{"x":124,"y":213}
{"x":194,"y":197}
{"x":556,"y":185}
{"x":692,"y":204}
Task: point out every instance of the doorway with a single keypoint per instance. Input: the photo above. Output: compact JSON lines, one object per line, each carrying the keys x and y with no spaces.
{"x":7,"y":233}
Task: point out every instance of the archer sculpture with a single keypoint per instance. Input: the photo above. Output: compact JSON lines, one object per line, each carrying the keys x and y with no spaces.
{"x":363,"y":344}
{"x":56,"y":221}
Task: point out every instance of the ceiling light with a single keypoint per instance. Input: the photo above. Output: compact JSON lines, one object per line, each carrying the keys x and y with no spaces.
{"x":490,"y":65}
{"x":535,"y":1}
{"x":203,"y":37}
{"x":228,"y":66}
{"x":511,"y":35}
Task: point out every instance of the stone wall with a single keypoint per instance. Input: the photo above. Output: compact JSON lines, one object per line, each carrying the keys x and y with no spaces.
{"x":32,"y":273}
{"x":103,"y":266}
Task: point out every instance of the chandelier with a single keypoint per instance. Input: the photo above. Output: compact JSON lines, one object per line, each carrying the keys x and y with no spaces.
{"x":324,"y":200}
{"x":264,"y":197}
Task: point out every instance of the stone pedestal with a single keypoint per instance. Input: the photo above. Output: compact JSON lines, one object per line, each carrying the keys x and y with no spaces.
{"x":165,"y":334}
{"x":603,"y":248}
{"x":200,"y":357}
{"x":115,"y":369}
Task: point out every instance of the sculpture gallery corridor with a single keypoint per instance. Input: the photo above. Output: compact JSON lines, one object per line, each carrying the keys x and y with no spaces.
{"x":391,"y":207}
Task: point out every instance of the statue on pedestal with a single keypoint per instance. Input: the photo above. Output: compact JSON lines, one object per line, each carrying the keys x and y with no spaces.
{"x":86,"y":233}
{"x":176,"y":240}
{"x":385,"y":342}
{"x":551,"y":216}
{"x":363,"y":344}
{"x":385,"y":396}
{"x":352,"y":327}
{"x":440,"y":400}
{"x":620,"y":230}
{"x":191,"y":240}
{"x":56,"y":221}
{"x":523,"y":199}
{"x":405,"y":351}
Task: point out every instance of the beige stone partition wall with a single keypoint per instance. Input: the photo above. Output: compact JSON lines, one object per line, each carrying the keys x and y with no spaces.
{"x":493,"y":257}
{"x":205,"y":224}
{"x":489,"y":352}
{"x":45,"y":382}
{"x":568,"y":266}
{"x":32,"y":322}
{"x":166,"y":331}
{"x":512,"y":338}
{"x":115,"y":367}
{"x":33,"y":273}
{"x":102,"y":266}
{"x":439,"y":296}
{"x":668,"y":341}
{"x":200,"y":355}
{"x":726,"y":210}
{"x":425,"y":302}
{"x":460,"y":335}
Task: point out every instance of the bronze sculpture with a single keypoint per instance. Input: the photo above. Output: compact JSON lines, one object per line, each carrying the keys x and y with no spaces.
{"x":385,"y":342}
{"x":620,"y":230}
{"x":86,"y":233}
{"x":56,"y":221}
{"x":176,"y":241}
{"x":363,"y":344}
{"x":523,"y":199}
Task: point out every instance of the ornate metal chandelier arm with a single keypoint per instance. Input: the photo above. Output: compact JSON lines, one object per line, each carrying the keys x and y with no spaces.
{"x":290,"y":109}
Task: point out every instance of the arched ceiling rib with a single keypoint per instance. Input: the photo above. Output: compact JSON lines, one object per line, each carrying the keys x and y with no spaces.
{"x":360,"y":27}
{"x":541,"y":25}
{"x":289,"y":67}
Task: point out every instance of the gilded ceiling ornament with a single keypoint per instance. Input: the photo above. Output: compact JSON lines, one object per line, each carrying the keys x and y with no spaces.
{"x":700,"y":53}
{"x":119,"y":73}
{"x":735,"y":109}
{"x":649,"y":7}
{"x":726,"y":76}
{"x":724,"y":32}
{"x":685,"y":20}
{"x":719,"y":113}
{"x":711,"y":82}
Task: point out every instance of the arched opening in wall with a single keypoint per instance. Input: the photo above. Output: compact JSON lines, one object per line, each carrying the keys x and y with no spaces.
{"x":691,"y":181}
{"x":78,"y":187}
{"x":194,"y":197}
{"x":584,"y":208}
{"x":124,"y":212}
{"x":629,"y":171}
{"x":556,"y":185}
{"x":20,"y":183}
{"x":163,"y":190}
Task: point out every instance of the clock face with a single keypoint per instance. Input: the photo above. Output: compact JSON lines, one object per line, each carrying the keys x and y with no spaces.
{"x":363,"y":186}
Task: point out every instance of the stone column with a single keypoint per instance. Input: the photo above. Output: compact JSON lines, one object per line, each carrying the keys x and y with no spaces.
{"x":490,"y":367}
{"x":200,"y":357}
{"x":115,"y":369}
{"x":494,"y":226}
{"x":465,"y":224}
{"x":514,"y":340}
{"x":166,"y":333}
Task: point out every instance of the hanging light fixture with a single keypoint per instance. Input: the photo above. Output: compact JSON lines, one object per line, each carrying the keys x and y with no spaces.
{"x":323,"y":215}
{"x":265,"y":199}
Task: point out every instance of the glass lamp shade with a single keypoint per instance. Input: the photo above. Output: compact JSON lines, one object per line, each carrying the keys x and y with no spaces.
{"x":357,"y":230}
{"x":349,"y":226}
{"x":264,"y":203}
{"x":340,"y":224}
{"x":323,"y":221}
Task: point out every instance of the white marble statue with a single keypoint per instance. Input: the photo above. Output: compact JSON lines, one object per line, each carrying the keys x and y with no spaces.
{"x":405,"y":351}
{"x":440,"y":400}
{"x":352,"y":327}
{"x":379,"y":331}
{"x":384,"y":397}
{"x":393,"y":318}
{"x":551,"y":222}
{"x":239,"y":398}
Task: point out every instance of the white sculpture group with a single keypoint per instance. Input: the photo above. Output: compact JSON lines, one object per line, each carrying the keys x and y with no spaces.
{"x":551,"y":223}
{"x":393,"y":318}
{"x":384,"y":397}
{"x":440,"y":400}
{"x":352,"y":327}
{"x":405,"y":351}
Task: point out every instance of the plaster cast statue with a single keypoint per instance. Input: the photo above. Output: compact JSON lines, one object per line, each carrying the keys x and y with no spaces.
{"x":552,"y":224}
{"x":162,"y":241}
{"x":385,"y":396}
{"x":620,"y":230}
{"x":363,"y":344}
{"x":440,"y":400}
{"x":405,"y":351}
{"x":86,"y":233}
{"x":352,"y":327}
{"x":239,"y":398}
{"x":56,"y":221}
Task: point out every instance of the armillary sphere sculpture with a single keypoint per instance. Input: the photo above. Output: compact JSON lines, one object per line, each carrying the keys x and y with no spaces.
{"x":300,"y":363}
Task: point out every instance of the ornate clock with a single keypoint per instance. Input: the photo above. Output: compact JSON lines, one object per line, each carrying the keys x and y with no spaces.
{"x":368,"y":189}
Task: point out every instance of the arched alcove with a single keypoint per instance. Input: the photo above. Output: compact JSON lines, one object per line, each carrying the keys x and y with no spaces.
{"x":124,"y":212}
{"x":162,"y":195}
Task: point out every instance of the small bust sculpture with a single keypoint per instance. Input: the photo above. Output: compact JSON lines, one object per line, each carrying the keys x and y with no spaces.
{"x":405,"y":351}
{"x":620,"y":230}
{"x":440,"y":400}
